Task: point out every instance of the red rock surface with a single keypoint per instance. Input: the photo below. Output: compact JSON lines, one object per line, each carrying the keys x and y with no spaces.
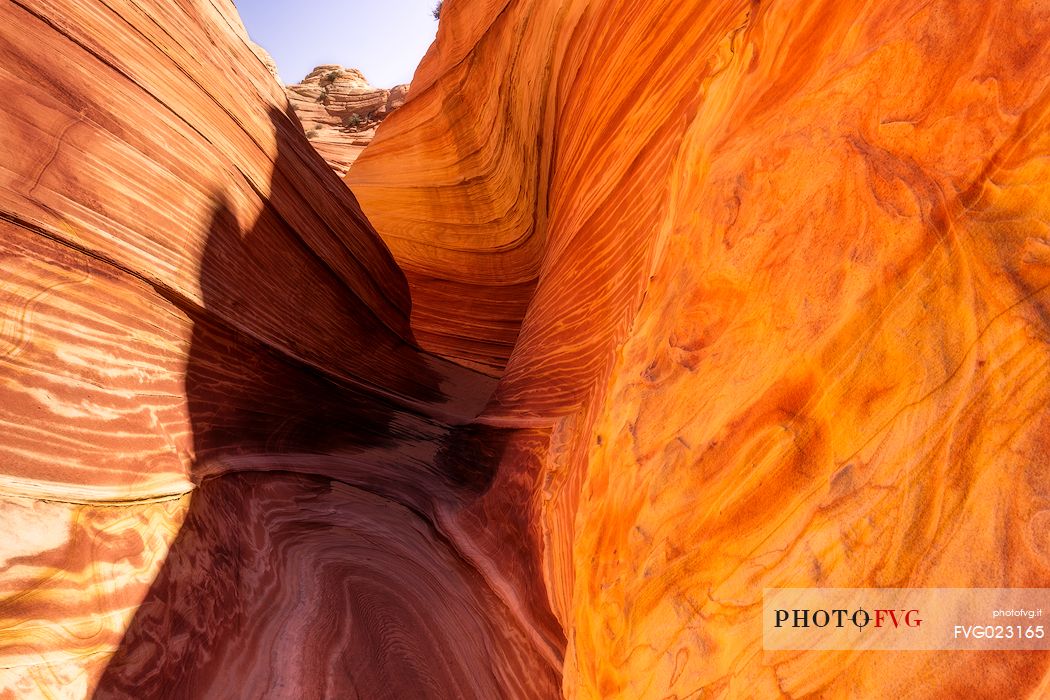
{"x":225,"y":466}
{"x":757,"y":292}
{"x":341,"y":111}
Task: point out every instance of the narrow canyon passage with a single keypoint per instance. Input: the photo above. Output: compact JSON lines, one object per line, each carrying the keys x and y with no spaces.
{"x":294,"y":500}
{"x":312,"y":561}
{"x":628,"y":313}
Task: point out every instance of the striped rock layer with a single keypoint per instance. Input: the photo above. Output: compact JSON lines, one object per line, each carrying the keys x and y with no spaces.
{"x":226,"y":468}
{"x":340,"y":111}
{"x":664,"y":304}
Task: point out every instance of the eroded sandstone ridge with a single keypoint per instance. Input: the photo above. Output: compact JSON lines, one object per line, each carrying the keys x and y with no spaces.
{"x":669,"y":302}
{"x":340,"y":111}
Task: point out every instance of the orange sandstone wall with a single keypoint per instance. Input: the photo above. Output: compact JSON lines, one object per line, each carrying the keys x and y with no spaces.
{"x":757,"y":293}
{"x":455,"y":183}
{"x":781,"y":273}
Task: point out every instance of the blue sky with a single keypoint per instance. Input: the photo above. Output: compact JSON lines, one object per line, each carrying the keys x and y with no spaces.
{"x":384,"y":39}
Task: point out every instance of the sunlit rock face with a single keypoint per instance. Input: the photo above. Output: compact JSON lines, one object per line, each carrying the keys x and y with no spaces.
{"x":781,"y":274}
{"x":340,"y":111}
{"x":668,"y":303}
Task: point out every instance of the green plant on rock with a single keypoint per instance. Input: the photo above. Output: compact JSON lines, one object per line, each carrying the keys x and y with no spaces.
{"x":437,"y":9}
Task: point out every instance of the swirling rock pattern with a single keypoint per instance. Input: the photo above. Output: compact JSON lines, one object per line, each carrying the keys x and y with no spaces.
{"x":668,"y":303}
{"x":226,"y":468}
{"x":781,"y":270}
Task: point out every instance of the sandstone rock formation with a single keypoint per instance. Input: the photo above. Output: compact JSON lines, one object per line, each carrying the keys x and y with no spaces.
{"x":226,"y":470}
{"x":663,"y":304}
{"x":340,"y":111}
{"x":773,"y":278}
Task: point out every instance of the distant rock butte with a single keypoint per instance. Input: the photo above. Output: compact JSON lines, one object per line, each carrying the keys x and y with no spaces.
{"x":340,"y":111}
